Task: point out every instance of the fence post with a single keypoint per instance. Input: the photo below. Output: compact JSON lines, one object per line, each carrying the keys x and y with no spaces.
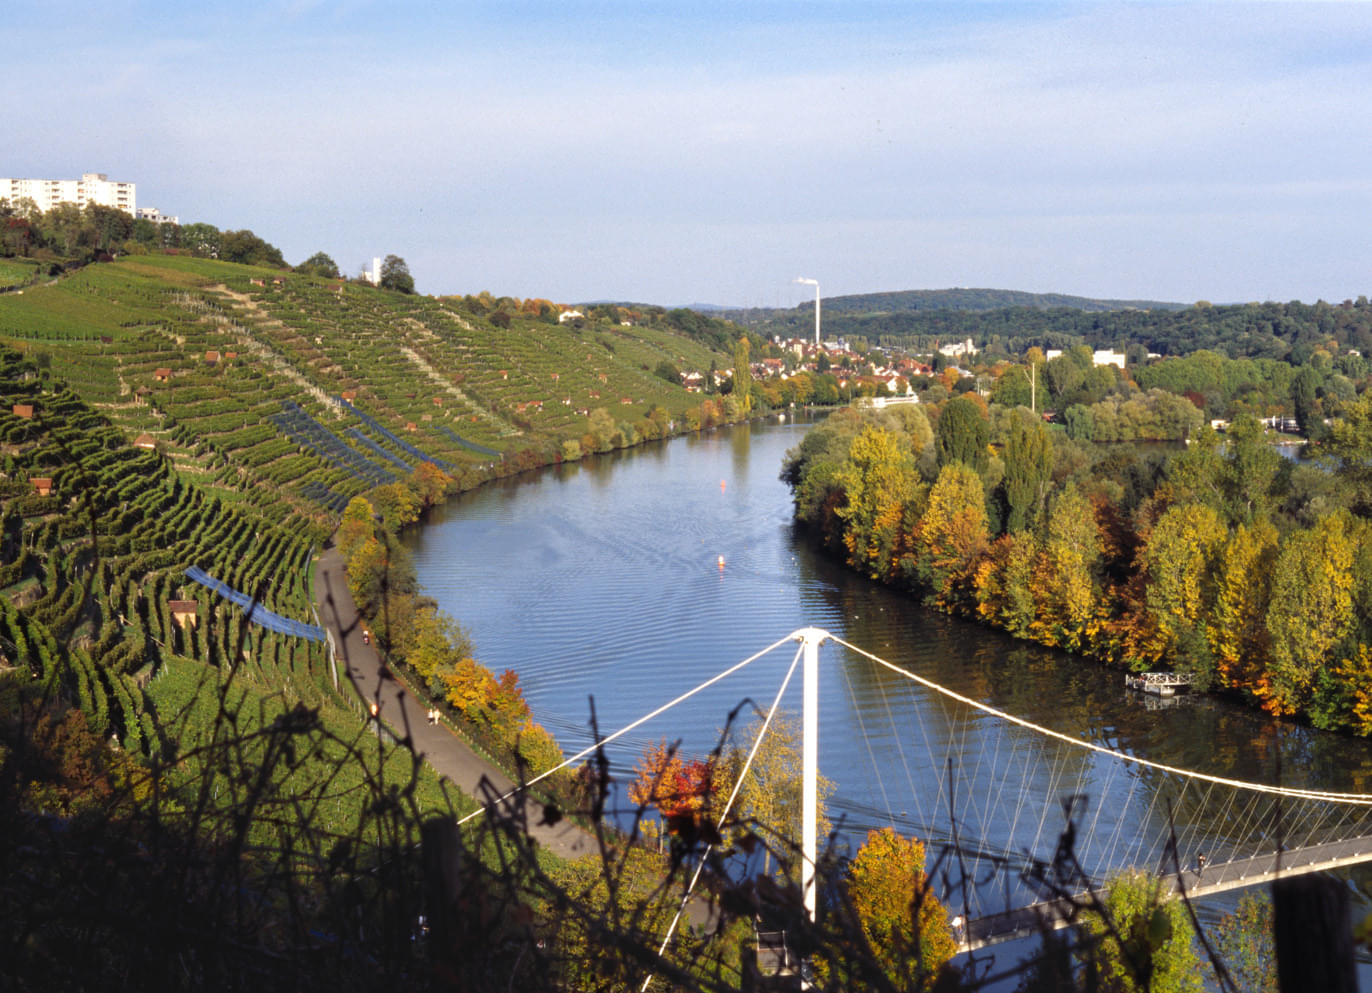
{"x":442,"y":858}
{"x":1312,"y":935}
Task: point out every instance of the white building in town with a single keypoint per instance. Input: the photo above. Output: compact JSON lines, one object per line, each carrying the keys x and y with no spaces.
{"x":156,"y":216}
{"x":958,"y":348}
{"x":92,"y":187}
{"x":1108,"y":356}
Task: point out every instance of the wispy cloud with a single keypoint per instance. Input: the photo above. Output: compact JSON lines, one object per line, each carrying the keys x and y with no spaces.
{"x":998,"y":144}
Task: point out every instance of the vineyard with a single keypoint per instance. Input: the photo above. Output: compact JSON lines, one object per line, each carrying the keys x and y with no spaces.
{"x":179,"y":437}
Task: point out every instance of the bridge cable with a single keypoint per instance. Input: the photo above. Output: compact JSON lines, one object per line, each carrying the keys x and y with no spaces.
{"x":1357,"y":799}
{"x":520,"y":788}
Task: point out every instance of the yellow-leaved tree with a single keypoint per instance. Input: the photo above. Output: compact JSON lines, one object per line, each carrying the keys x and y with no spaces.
{"x":953,"y":533}
{"x":880,"y":482}
{"x":1065,"y":586}
{"x":1311,"y":608}
{"x":1181,"y":557}
{"x":904,"y":922}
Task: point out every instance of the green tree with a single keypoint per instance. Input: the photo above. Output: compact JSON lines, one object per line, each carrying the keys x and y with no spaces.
{"x":1305,"y":398}
{"x":1348,"y":450}
{"x":395,"y":275}
{"x":666,"y":370}
{"x":903,"y":921}
{"x":1140,"y":943}
{"x":1012,"y":389}
{"x":1251,"y":467}
{"x":109,"y":226}
{"x":202,"y":239}
{"x":743,"y":375}
{"x":1028,"y":472}
{"x":963,"y":434}
{"x":246,"y":248}
{"x":319,"y":264}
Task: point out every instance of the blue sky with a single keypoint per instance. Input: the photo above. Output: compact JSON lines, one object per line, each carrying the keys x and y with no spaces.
{"x":676,"y":153}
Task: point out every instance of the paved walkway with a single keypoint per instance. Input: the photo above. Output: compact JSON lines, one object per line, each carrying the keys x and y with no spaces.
{"x":406,"y":717}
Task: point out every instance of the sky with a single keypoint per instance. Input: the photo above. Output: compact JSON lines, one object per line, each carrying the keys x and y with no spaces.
{"x":714,"y":152}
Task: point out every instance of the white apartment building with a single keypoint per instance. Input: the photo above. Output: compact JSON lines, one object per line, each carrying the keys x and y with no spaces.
{"x":92,"y":187}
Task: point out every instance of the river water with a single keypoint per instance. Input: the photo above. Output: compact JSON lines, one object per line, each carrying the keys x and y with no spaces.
{"x":602,"y":581}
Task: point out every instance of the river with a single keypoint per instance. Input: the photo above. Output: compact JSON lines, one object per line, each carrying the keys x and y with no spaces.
{"x":602,"y":580}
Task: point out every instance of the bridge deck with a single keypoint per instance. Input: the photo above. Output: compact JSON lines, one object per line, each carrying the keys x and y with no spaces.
{"x":1216,"y":878}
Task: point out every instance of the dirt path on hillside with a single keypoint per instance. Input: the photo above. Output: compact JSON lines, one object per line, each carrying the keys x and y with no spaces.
{"x":405,"y":716}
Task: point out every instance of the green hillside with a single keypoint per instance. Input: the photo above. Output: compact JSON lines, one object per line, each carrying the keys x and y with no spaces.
{"x":161,"y":414}
{"x":238,"y":374}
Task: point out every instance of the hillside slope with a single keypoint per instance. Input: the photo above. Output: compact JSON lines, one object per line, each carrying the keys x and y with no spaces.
{"x":172,"y":424}
{"x":294,"y":394}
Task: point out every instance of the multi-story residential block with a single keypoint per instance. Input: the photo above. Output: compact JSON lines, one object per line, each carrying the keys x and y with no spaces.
{"x":92,"y":187}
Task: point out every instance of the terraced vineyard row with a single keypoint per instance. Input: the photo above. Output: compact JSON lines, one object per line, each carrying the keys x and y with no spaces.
{"x":96,"y":538}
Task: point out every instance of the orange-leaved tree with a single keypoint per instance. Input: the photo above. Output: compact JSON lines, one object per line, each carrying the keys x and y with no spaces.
{"x":681,"y":790}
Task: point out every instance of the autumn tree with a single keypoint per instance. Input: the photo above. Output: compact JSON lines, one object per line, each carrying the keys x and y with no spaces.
{"x":769,"y":798}
{"x":1237,"y":630}
{"x":1245,"y":943}
{"x":429,"y":483}
{"x":1181,"y":557}
{"x":953,"y":531}
{"x":743,"y":375}
{"x":901,"y":918}
{"x":1004,"y":583}
{"x":397,"y":504}
{"x":1065,"y":586}
{"x":680,"y":790}
{"x":432,"y":643}
{"x":355,"y":527}
{"x":1310,"y":610}
{"x":881,"y":489}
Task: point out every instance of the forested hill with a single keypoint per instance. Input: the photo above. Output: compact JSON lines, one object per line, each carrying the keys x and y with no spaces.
{"x":1288,"y":331}
{"x":972,"y":298}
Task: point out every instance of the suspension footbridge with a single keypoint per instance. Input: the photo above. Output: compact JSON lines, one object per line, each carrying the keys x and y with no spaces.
{"x":1023,"y":823}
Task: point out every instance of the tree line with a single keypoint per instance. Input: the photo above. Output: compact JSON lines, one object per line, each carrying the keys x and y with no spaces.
{"x":1286,"y":331}
{"x":1222,"y":559}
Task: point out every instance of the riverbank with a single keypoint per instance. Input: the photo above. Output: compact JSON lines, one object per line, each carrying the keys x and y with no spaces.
{"x":399,"y":710}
